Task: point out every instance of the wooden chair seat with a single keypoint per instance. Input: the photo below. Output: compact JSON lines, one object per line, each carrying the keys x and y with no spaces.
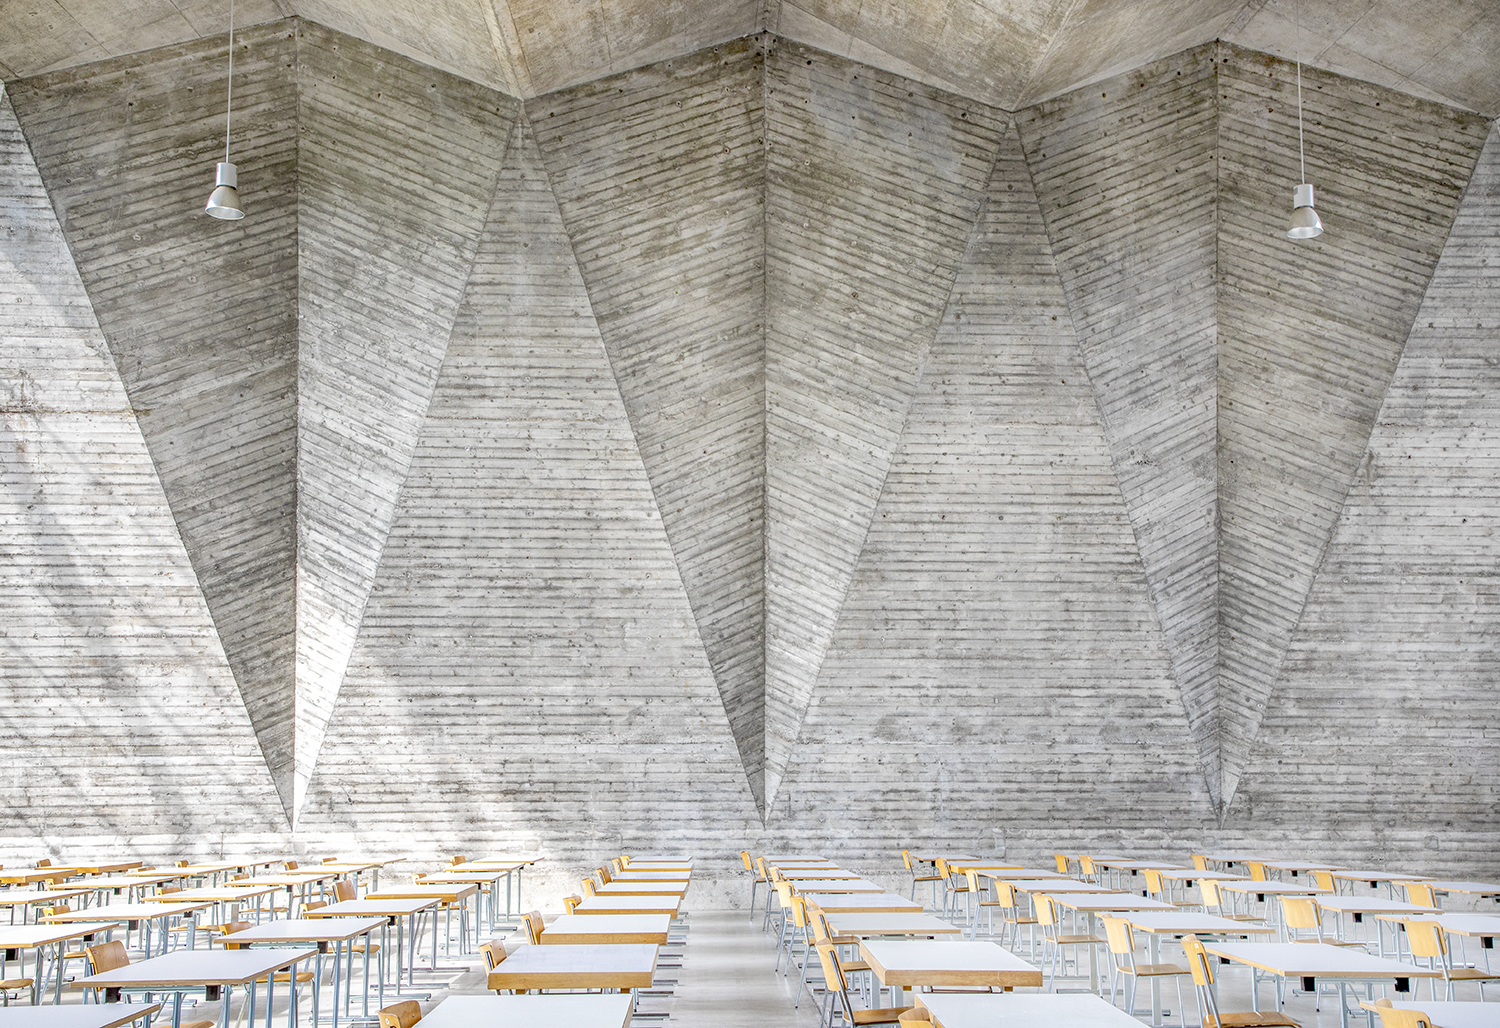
{"x":200,"y":1024}
{"x":1471,"y":974}
{"x":1153,"y":970}
{"x":1078,"y":940}
{"x":11,"y":984}
{"x":1335,"y":942}
{"x":880,"y":1015}
{"x":1265,"y":1019}
{"x":282,"y":977}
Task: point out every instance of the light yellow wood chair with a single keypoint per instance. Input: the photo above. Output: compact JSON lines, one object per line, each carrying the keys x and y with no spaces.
{"x":837,"y":993}
{"x":1200,"y":862}
{"x":604,"y":876}
{"x":1208,"y":1002}
{"x":457,"y":858}
{"x":982,"y":905}
{"x":1011,"y":918}
{"x":535,"y":926}
{"x":1257,"y":871}
{"x":1419,"y":894}
{"x":1303,"y":922}
{"x":588,"y":887}
{"x":1213,"y":902}
{"x":1428,"y":942}
{"x":344,"y":891}
{"x":1325,"y":882}
{"x":1060,"y":861}
{"x":1122,"y":966}
{"x":229,"y":928}
{"x":1054,"y":960}
{"x":1392,"y":1016}
{"x":1087,"y":870}
{"x":916,"y":1017}
{"x":1156,"y":890}
{"x":951,"y":889}
{"x":400,"y":1015}
{"x":14,"y":985}
{"x":757,"y":878}
{"x":918,"y":876}
{"x":111,"y":956}
{"x":570,"y":903}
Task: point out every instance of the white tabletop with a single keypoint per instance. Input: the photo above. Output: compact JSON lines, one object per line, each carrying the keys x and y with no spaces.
{"x":1185,"y":922}
{"x":1477,"y":888}
{"x":95,"y":1015}
{"x":1053,"y":885}
{"x":299,"y":929}
{"x":25,"y":936}
{"x":393,"y":907}
{"x":1091,"y":903}
{"x":576,"y":967}
{"x":630,"y":905}
{"x":1445,"y":1015}
{"x":681,"y":875}
{"x":932,"y":856}
{"x":1316,"y":960}
{"x":878,"y":902}
{"x":1377,"y":876}
{"x":1369,"y":905}
{"x":827,"y":885}
{"x":1013,"y":1010}
{"x":1020,"y":874}
{"x":555,"y":1010}
{"x":915,"y":962}
{"x":195,"y":968}
{"x":129,"y":912}
{"x":1189,"y":874}
{"x":1471,"y":925}
{"x":1273,"y":888}
{"x":638,"y":888}
{"x":865,"y":925}
{"x":571,"y":929}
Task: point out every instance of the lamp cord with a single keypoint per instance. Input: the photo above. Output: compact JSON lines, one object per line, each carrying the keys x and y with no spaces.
{"x":229,"y":103}
{"x":1302,"y":159}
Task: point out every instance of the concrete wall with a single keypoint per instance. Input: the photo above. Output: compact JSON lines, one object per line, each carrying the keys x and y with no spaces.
{"x":753,"y":449}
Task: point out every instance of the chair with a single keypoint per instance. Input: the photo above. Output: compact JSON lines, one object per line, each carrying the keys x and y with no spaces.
{"x":784,"y":897}
{"x":1086,"y":869}
{"x":1419,"y":894}
{"x":1300,"y":916}
{"x":344,"y":891}
{"x":229,"y":929}
{"x":1213,"y":902}
{"x":494,"y":956}
{"x":1060,"y":860}
{"x":1156,"y":890}
{"x":68,"y":955}
{"x":329,"y":860}
{"x":10,"y":985}
{"x":1392,"y":1016}
{"x":1429,"y":942}
{"x":913,"y":870}
{"x":916,"y":1017}
{"x":618,"y":866}
{"x":111,"y":956}
{"x":769,"y":876}
{"x":1208,"y":1002}
{"x":976,"y":890}
{"x":1011,"y":918}
{"x":1200,"y":862}
{"x":1122,"y":965}
{"x":799,"y":929}
{"x":1053,"y":958}
{"x":291,"y":865}
{"x":1257,"y":871}
{"x":400,"y":1015}
{"x":604,"y":876}
{"x":534,"y":927}
{"x":823,"y":936}
{"x":587,"y":885}
{"x":456,"y":859}
{"x":950,"y":889}
{"x":756,"y":878}
{"x":570,"y":903}
{"x":1325,"y":881}
{"x":838,"y":990}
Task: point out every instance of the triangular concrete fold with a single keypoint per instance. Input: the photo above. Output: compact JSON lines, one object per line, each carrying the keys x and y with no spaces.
{"x":660,"y":176}
{"x":1126,"y":175}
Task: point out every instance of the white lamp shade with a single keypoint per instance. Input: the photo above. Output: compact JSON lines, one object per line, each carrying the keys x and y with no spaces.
{"x":1305,"y":223}
{"x":224,"y":201}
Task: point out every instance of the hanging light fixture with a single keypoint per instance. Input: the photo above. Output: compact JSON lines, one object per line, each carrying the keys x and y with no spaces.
{"x":1305,"y":223}
{"x":224,"y":201}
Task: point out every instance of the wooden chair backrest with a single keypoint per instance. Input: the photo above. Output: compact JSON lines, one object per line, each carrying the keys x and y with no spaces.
{"x":1046,"y":913}
{"x":587,"y":885}
{"x":238,"y":878}
{"x":344,"y":891}
{"x":167,"y":890}
{"x":458,"y":858}
{"x":230,"y":928}
{"x":291,"y":865}
{"x":46,"y":862}
{"x":107,"y":956}
{"x":1200,"y":862}
{"x":604,"y":876}
{"x":799,"y":911}
{"x":1300,"y":912}
{"x":1005,"y":893}
{"x":1425,"y":939}
{"x":401,"y":1015}
{"x":619,"y":868}
{"x":818,"y":921}
{"x":182,"y":863}
{"x":1153,"y":881}
{"x":1324,"y":880}
{"x":1086,"y":865}
{"x":570,"y":903}
{"x":906,"y":858}
{"x":494,"y":953}
{"x":55,"y":910}
{"x":624,"y":859}
{"x":1117,"y":932}
{"x":745,"y":856}
{"x":784,"y":892}
{"x":1209,"y":890}
{"x":916,"y":1017}
{"x":942,"y":867}
{"x":534,"y":927}
{"x":973,"y":877}
{"x":1392,"y":1016}
{"x":833,"y":972}
{"x":1257,"y":871}
{"x":314,"y":905}
{"x":1419,"y":894}
{"x":1203,"y":972}
{"x":1061,"y":860}
{"x":329,"y":860}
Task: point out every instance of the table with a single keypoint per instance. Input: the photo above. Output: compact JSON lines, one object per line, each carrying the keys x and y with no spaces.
{"x":837,"y":885}
{"x":658,"y":865}
{"x":1375,"y":878}
{"x":576,"y":967}
{"x":450,"y":896}
{"x":188,"y":870}
{"x":1304,"y":866}
{"x":552,"y":1010}
{"x":1359,"y":906}
{"x":801,"y":872}
{"x":630,"y":905}
{"x":509,"y":868}
{"x":1444,"y":1014}
{"x":629,"y":888}
{"x":1057,"y":886}
{"x":14,"y":938}
{"x":933,"y":856}
{"x":321,"y":931}
{"x":1022,"y":874}
{"x":92,"y":1016}
{"x":793,"y":858}
{"x":863,"y":903}
{"x":1311,"y":961}
{"x":1484,"y":927}
{"x":987,"y":1010}
{"x":213,"y":971}
{"x":653,"y":876}
{"x":480,"y":878}
{"x":1260,"y":890}
{"x":393,"y":910}
{"x":914,"y":964}
{"x":899,"y":923}
{"x":134,"y":915}
{"x":215,"y":895}
{"x":608,"y":930}
{"x":25,"y":898}
{"x":1480,"y":889}
{"x":1157,"y":923}
{"x":131,"y":885}
{"x":295,"y":883}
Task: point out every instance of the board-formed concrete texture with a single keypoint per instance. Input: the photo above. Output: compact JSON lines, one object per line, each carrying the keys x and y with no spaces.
{"x":762,"y":434}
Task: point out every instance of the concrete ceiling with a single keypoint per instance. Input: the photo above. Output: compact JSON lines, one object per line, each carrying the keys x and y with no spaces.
{"x":1008,"y":53}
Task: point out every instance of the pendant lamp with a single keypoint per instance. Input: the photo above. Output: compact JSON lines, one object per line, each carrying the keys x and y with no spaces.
{"x":224,"y":201}
{"x":1305,"y":223}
